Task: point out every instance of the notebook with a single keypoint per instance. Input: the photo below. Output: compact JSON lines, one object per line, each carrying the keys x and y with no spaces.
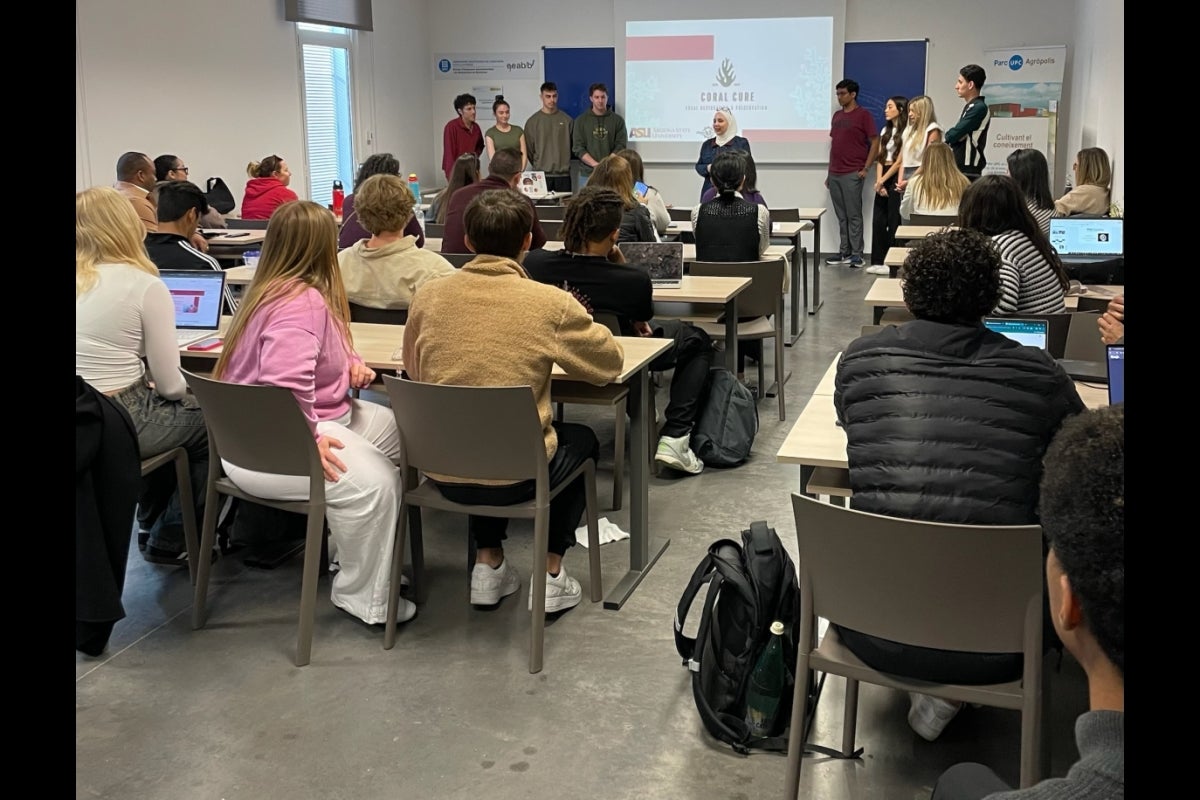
{"x":1083,"y":239}
{"x":1029,"y":332}
{"x":1116,"y":374}
{"x":663,"y":260}
{"x":197,"y":296}
{"x":533,"y":184}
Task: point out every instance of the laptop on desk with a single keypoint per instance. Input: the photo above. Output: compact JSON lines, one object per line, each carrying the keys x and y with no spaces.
{"x":1116,"y":374}
{"x":1083,"y":240}
{"x":663,"y":260}
{"x":197,"y":296}
{"x":1029,"y":332}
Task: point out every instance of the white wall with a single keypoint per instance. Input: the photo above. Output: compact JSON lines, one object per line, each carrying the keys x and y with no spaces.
{"x":1096,"y":82}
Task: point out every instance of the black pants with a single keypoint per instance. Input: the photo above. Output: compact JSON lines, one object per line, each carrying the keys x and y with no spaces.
{"x":885,"y":222}
{"x":968,"y":781}
{"x":576,"y":444}
{"x":935,"y":666}
{"x":691,"y":358}
{"x":558,"y":183}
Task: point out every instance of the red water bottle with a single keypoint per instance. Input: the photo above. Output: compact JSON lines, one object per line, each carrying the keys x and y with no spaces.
{"x":338,"y":197}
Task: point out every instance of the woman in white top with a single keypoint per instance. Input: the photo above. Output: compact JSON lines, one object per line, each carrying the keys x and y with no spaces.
{"x":939,"y":187}
{"x":652,"y":199}
{"x":887,"y":196}
{"x":923,"y":130}
{"x":124,"y":312}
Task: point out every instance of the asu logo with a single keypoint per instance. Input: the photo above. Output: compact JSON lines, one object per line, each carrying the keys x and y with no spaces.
{"x":640,"y":133}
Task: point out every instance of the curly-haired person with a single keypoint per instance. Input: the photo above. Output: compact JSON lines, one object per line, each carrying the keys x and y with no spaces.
{"x":947,"y":421}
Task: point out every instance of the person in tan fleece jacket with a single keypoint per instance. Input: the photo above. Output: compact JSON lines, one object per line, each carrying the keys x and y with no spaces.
{"x":489,"y":324}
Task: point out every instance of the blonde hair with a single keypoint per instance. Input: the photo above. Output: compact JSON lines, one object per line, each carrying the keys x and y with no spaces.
{"x":266,"y":168}
{"x":107,"y":231}
{"x":941,"y":184}
{"x":384,"y":203}
{"x":613,"y":172}
{"x":300,"y":250}
{"x":1094,"y":167}
{"x":920,"y":108}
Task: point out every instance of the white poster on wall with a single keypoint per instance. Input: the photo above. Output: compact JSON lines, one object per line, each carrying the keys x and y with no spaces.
{"x":1023,"y":90}
{"x":485,"y":96}
{"x":488,"y":66}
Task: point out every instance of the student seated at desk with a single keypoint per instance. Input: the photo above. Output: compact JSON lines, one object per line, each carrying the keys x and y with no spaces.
{"x":614,"y":173}
{"x":504,"y":170}
{"x":652,"y":199}
{"x":464,"y":173}
{"x":169,"y":167}
{"x":352,"y":228}
{"x":123,"y":312}
{"x":181,"y":205}
{"x":267,"y":188}
{"x":488,"y":324}
{"x":591,"y":267}
{"x":938,"y":188}
{"x":1093,"y":179}
{"x":385,"y":270}
{"x":947,"y":421}
{"x":292,"y":329}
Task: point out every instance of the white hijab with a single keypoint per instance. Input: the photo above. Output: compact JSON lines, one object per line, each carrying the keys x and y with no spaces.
{"x":731,"y":128}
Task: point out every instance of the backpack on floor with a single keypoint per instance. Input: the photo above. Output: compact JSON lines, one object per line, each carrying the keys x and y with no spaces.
{"x":750,"y":585}
{"x":725,"y":430}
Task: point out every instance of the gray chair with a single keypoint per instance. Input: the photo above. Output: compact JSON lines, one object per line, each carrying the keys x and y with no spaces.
{"x":435,"y":230}
{"x":187,"y":504}
{"x":236,"y":223}
{"x":950,"y":587}
{"x":762,"y":299}
{"x":382,"y":316}
{"x":459,"y":260}
{"x":480,"y":433}
{"x":552,"y":229}
{"x":260,"y":428}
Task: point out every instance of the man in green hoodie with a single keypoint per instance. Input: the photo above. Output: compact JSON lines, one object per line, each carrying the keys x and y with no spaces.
{"x":596,"y":133}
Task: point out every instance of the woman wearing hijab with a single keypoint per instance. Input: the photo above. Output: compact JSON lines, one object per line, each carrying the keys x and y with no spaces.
{"x":725,"y":127}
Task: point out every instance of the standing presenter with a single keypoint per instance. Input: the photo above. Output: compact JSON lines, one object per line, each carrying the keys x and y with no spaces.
{"x":725,"y":127}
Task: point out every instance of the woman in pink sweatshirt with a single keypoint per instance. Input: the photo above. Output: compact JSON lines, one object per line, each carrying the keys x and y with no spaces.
{"x":292,"y":330}
{"x":267,"y":188}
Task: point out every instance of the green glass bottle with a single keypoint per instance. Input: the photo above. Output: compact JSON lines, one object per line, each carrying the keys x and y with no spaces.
{"x":766,"y":685}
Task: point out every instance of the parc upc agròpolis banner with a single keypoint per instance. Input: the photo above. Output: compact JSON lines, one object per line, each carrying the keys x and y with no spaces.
{"x":1023,"y":90}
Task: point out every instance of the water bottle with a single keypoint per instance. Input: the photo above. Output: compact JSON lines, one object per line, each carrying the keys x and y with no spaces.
{"x":338,"y":197}
{"x":415,"y":186}
{"x":766,"y":685}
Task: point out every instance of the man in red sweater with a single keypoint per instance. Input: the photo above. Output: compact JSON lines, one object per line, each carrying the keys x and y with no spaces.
{"x":461,"y":134}
{"x":504,"y":170}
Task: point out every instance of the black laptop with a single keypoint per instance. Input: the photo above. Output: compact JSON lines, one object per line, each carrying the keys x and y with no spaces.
{"x":1083,"y":240}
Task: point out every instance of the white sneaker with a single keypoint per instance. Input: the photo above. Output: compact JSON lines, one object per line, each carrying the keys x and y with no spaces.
{"x":878,"y":269}
{"x":562,"y":592}
{"x":675,"y":453}
{"x":928,"y":716}
{"x":405,"y":611}
{"x":489,"y":586}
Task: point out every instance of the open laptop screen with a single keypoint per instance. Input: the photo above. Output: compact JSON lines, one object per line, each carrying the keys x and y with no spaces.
{"x":663,"y":260}
{"x":1116,"y":374}
{"x":197,"y":296}
{"x":1079,"y":236}
{"x":1029,"y":332}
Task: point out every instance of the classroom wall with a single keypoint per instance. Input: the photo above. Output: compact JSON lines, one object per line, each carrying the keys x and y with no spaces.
{"x":1096,"y":82}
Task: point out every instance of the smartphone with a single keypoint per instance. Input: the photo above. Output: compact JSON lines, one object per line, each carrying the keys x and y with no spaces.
{"x":641,"y":188}
{"x":206,"y":344}
{"x":235,"y":235}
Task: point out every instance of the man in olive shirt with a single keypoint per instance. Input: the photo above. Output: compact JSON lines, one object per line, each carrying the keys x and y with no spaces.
{"x":597,"y":132}
{"x":548,"y":141}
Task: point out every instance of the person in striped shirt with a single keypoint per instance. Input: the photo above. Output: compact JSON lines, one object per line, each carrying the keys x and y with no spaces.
{"x":1032,"y":278}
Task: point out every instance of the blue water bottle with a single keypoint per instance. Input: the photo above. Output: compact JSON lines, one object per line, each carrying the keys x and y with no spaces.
{"x":415,"y":186}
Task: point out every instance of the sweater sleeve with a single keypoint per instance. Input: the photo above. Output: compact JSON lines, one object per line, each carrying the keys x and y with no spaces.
{"x":447,"y":149}
{"x":706,"y":158}
{"x":162,"y":348}
{"x":658,"y":210}
{"x":621,"y":138}
{"x":288,"y":350}
{"x":578,"y":137}
{"x":764,"y":229}
{"x":1010,"y":287}
{"x":969,"y":121}
{"x":586,"y":349}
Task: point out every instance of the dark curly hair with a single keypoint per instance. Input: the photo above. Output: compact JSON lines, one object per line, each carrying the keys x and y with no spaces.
{"x":378,"y":164}
{"x":952,"y":276}
{"x":590,"y":216}
{"x":1082,"y":509}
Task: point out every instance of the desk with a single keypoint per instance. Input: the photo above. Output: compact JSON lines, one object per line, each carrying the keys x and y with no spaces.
{"x":887,"y":293}
{"x":230,"y":243}
{"x":710,"y":290}
{"x":379,"y":347}
{"x":434,"y":245}
{"x":909,"y":232}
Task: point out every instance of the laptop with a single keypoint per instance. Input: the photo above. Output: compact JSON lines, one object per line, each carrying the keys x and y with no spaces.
{"x":1081,"y":240}
{"x":533,"y":184}
{"x":197,"y":295}
{"x":1116,"y":374}
{"x":1029,"y":332}
{"x":663,"y":260}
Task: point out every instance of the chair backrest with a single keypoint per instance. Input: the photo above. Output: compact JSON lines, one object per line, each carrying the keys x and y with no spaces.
{"x":784,"y":214}
{"x":552,"y":229}
{"x":247,"y":224}
{"x":928,"y":584}
{"x":608,"y":320}
{"x":457,"y":259}
{"x":471,"y":432}
{"x":434,"y":230}
{"x":256,"y":427}
{"x":933,"y":219}
{"x":762,"y":297}
{"x":679,"y":214}
{"x":551,"y":213}
{"x":1083,"y":338}
{"x":382,"y":316}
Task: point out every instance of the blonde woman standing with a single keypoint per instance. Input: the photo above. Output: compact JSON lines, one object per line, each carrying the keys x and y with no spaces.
{"x":923,"y":130}
{"x":939,"y":187}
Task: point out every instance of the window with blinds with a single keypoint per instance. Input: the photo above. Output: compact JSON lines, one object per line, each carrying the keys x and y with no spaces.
{"x":327,"y":113}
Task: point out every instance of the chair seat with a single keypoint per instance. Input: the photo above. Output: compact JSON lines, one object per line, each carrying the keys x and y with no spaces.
{"x":759,"y":328}
{"x":226,"y":486}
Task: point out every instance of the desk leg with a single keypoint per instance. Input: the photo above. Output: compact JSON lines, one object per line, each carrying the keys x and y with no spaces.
{"x":642,"y":552}
{"x":877,"y":314}
{"x":798,"y":280}
{"x":815,"y":300}
{"x":806,"y":473}
{"x":731,"y":342}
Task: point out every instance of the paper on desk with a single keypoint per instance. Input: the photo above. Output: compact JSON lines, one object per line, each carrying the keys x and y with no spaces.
{"x":609,"y":532}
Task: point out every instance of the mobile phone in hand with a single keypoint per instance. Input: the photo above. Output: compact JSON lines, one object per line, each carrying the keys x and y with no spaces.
{"x":641,"y":188}
{"x":206,"y":344}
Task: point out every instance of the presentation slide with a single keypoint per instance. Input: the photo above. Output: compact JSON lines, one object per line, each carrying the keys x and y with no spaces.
{"x":774,"y":75}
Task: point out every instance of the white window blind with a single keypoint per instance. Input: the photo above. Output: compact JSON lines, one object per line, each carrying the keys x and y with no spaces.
{"x":327,"y":115}
{"x":343,"y":13}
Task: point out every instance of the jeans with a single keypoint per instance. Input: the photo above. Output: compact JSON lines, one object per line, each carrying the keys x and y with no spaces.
{"x":691,"y":358}
{"x":885,"y":221}
{"x":846,"y":192}
{"x":576,"y":444}
{"x":163,"y":425}
{"x":582,"y":179}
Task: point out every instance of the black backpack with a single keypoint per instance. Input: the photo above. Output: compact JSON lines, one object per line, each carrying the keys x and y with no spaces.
{"x":728,"y":423}
{"x":750,"y":585}
{"x":219,"y":196}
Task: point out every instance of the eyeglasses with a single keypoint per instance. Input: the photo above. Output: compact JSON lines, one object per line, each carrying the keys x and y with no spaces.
{"x":184,"y":170}
{"x":841,"y":92}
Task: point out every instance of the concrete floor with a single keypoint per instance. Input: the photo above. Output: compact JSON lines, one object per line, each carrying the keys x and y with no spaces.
{"x":452,"y":711}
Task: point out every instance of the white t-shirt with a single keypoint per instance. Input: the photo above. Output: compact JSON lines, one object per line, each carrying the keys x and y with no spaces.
{"x":127,"y":314}
{"x":914,"y":146}
{"x":893,"y":145}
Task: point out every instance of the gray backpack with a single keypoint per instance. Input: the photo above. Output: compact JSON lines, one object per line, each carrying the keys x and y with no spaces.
{"x":726,"y":428}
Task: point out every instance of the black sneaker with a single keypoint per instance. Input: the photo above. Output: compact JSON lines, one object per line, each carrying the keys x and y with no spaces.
{"x":855,"y":262}
{"x":161,"y":555}
{"x":840,"y":260}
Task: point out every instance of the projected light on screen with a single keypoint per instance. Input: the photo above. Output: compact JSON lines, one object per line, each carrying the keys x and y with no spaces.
{"x":775,"y":75}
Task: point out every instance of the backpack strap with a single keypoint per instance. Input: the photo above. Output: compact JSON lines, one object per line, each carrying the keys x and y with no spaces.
{"x":685,"y":645}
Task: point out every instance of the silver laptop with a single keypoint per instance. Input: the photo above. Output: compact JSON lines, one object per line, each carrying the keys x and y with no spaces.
{"x":1083,"y":240}
{"x":197,"y":295}
{"x":663,"y":260}
{"x":1029,"y":332}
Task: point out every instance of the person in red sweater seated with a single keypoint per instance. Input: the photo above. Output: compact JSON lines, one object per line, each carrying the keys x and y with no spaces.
{"x":504,"y":170}
{"x":267,"y":189}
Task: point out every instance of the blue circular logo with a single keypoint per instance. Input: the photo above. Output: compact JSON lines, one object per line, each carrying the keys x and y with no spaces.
{"x":1015,"y":62}
{"x":444,"y":65}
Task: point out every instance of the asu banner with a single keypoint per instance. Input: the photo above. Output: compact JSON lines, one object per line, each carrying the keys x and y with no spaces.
{"x":1023,"y":90}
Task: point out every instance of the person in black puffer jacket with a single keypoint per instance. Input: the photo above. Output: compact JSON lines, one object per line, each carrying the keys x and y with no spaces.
{"x":947,"y":421}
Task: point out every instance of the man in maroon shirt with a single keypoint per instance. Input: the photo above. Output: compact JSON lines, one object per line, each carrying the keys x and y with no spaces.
{"x":504,"y":171}
{"x":854,"y":147}
{"x":461,"y":134}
